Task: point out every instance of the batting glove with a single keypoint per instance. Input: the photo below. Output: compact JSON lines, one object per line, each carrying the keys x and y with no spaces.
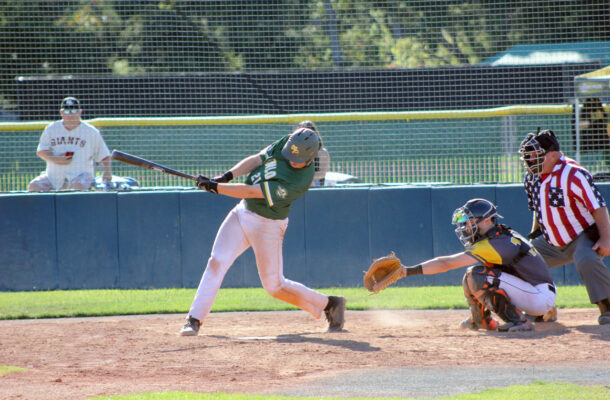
{"x":204,"y":183}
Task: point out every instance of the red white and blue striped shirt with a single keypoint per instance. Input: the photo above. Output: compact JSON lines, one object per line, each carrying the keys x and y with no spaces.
{"x":563,"y":201}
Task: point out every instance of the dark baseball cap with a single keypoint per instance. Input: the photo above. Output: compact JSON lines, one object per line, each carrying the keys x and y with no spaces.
{"x":547,"y":139}
{"x":70,"y":103}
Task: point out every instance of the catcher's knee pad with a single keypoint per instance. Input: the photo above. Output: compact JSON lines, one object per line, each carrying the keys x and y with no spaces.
{"x":475,"y":282}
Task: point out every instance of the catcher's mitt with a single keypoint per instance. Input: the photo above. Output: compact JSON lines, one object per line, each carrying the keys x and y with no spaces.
{"x":383,"y":272}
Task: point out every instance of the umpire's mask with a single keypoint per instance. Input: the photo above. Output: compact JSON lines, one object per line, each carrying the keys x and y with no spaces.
{"x":533,"y":150}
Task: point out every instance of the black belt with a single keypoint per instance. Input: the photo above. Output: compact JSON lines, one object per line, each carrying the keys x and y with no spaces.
{"x":552,"y":288}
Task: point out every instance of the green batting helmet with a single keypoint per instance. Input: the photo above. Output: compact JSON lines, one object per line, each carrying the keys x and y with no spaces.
{"x":302,"y":146}
{"x":310,"y":125}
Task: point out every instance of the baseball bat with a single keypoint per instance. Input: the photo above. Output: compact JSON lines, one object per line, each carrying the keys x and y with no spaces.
{"x":143,"y":163}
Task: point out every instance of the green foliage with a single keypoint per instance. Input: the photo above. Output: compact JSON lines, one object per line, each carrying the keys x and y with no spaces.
{"x":132,"y":37}
{"x":73,"y":303}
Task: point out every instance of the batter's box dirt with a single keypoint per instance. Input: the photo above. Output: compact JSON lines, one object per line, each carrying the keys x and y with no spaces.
{"x":288,"y":352}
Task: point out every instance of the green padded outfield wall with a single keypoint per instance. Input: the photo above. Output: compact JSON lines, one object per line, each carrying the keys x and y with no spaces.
{"x":162,"y":239}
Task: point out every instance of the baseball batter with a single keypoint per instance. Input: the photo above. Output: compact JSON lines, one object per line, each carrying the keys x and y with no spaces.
{"x":510,"y":277}
{"x":70,"y":147}
{"x":276,"y":177}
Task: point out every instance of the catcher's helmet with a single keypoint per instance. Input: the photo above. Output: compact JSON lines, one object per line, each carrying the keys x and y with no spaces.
{"x":534,"y":148}
{"x":469,"y":215}
{"x":302,"y":146}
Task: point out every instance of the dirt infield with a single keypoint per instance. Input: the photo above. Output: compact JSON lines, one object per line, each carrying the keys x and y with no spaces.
{"x":290,"y":353}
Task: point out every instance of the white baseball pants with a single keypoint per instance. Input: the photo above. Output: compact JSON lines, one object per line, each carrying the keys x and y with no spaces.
{"x":240,"y":230}
{"x":534,"y":300}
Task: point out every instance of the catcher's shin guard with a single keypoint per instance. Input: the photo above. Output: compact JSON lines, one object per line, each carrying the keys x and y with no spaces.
{"x":473,"y":284}
{"x":498,"y":301}
{"x":481,"y":317}
{"x":476,"y":283}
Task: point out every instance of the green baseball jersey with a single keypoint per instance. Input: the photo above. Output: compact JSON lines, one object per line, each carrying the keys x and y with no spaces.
{"x":281,"y":183}
{"x":500,"y":248}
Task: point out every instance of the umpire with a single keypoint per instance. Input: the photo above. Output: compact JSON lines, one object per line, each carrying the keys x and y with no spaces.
{"x":570,"y":221}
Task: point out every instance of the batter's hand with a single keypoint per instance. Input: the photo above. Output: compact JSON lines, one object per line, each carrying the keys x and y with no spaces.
{"x":205,"y":183}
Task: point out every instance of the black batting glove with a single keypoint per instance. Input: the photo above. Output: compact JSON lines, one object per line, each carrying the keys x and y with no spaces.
{"x":204,"y":183}
{"x":226,"y":177}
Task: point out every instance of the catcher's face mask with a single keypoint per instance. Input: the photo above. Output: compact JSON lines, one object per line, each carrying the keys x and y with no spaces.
{"x":466,"y":226}
{"x":468,"y":218}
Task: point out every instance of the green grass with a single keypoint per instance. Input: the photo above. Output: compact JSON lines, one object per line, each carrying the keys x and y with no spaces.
{"x":538,"y":391}
{"x":68,"y":303}
{"x":5,"y":369}
{"x":77,"y":303}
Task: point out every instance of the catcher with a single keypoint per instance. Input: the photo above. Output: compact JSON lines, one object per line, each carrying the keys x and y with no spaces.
{"x":509,"y":277}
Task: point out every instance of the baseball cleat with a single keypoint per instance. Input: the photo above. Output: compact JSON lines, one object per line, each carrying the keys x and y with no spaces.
{"x":521,"y":326}
{"x":469,"y":323}
{"x":604,"y":318}
{"x":335,"y":313}
{"x":550,"y":316}
{"x":191,"y":327}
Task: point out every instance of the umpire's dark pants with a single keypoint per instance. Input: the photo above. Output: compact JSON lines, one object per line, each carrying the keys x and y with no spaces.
{"x":589,"y":265}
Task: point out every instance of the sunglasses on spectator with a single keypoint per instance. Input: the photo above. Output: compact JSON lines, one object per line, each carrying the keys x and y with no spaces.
{"x":70,"y":110}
